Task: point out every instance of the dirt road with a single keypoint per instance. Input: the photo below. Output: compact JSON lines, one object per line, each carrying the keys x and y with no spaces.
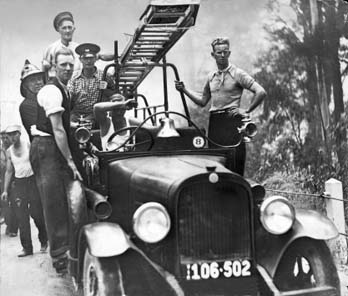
{"x":35,"y":276}
{"x":29,"y":276}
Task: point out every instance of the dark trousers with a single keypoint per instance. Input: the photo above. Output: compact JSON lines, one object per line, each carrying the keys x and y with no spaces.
{"x":28,"y":204}
{"x":223,"y":130}
{"x":62,"y":198}
{"x":9,"y":211}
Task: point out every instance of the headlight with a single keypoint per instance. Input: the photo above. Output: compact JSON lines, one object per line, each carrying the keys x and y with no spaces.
{"x":82,"y":135}
{"x":151,"y":222}
{"x":277,"y":214}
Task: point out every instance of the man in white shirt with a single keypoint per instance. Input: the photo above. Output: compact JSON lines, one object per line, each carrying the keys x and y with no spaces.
{"x":52,"y":162}
{"x":25,"y":191}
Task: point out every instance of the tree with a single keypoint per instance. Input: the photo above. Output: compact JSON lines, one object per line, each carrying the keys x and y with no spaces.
{"x":301,"y":73}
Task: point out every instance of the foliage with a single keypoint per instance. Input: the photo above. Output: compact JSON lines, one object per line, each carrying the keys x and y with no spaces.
{"x":294,"y":144}
{"x":294,"y":187}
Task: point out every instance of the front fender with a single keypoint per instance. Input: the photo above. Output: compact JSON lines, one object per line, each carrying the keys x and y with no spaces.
{"x":105,"y":239}
{"x":308,"y":223}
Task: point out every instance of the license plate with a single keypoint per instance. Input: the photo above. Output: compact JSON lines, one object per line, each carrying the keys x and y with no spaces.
{"x":214,"y":270}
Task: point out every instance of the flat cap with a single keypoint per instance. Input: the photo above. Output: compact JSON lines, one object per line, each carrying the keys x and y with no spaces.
{"x":87,"y":49}
{"x":13,"y":128}
{"x":65,"y":15}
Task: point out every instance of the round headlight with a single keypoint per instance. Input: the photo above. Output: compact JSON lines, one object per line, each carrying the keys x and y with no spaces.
{"x":82,"y":135}
{"x":277,"y":214}
{"x":151,"y":222}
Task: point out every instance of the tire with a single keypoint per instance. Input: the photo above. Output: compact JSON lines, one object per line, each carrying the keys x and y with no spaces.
{"x":307,"y":263}
{"x":101,"y":276}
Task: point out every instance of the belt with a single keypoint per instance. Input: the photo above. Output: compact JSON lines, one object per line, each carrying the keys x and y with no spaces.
{"x":223,"y":111}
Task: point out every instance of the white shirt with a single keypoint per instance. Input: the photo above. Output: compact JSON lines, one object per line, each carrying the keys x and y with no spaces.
{"x":21,"y":164}
{"x":50,"y":98}
{"x":51,"y":50}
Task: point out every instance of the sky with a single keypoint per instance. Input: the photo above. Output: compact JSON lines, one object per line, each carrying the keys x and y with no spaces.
{"x":26,"y":29}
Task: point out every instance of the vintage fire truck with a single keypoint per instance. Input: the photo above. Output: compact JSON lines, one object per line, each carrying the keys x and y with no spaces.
{"x":170,"y":216}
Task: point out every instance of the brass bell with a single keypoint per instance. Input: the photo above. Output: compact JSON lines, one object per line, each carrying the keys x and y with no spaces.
{"x":167,"y":128}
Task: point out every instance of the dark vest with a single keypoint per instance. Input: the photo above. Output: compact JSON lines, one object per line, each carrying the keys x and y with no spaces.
{"x":28,"y":112}
{"x":43,"y":122}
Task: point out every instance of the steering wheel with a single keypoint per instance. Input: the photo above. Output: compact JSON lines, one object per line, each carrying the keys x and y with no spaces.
{"x":130,"y":143}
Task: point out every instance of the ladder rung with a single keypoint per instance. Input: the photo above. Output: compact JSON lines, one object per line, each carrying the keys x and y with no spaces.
{"x":148,"y":46}
{"x":128,"y":79}
{"x":161,"y":30}
{"x":145,"y":49}
{"x":128,"y":72}
{"x":143,"y":54}
{"x":143,"y":42}
{"x":145,"y":34}
{"x":167,"y":14}
{"x":145,"y":38}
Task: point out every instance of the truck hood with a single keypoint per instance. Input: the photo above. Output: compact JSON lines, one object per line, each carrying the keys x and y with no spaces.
{"x":151,"y":177}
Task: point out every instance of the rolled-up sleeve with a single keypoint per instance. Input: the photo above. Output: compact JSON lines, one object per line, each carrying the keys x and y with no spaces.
{"x":50,"y":98}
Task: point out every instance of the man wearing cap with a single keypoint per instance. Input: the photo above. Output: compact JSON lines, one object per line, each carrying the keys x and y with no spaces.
{"x":52,"y":162}
{"x":25,"y":191}
{"x":224,"y":88}
{"x":64,"y":24}
{"x":32,"y":80}
{"x":87,"y":86}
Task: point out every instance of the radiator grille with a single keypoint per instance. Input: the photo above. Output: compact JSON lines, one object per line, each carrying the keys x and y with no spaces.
{"x":214,"y":222}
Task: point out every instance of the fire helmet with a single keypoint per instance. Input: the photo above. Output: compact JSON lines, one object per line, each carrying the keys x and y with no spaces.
{"x":28,"y":70}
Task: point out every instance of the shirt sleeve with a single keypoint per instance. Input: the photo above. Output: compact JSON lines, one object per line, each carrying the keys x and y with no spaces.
{"x":244,"y":79}
{"x":50,"y":98}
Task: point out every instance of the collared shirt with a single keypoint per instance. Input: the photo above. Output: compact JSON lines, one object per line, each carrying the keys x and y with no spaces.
{"x":85,"y":92}
{"x":225,"y":87}
{"x":51,"y":51}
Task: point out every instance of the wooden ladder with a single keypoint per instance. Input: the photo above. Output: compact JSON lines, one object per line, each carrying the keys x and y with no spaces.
{"x":161,"y":26}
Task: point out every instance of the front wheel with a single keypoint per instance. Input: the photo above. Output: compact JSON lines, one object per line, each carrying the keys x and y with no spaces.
{"x":101,"y":276}
{"x":307,"y":263}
